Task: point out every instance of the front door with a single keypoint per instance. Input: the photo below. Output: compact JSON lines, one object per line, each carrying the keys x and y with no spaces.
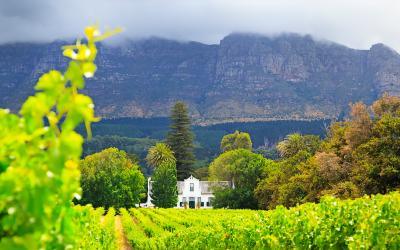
{"x":192,"y":203}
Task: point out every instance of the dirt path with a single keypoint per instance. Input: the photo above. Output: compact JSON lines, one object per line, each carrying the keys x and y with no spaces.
{"x":122,"y":241}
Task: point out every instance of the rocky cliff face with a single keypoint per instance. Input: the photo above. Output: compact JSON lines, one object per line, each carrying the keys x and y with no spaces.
{"x":244,"y":78}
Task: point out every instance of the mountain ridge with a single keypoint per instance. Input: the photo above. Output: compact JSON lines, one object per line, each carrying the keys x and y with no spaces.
{"x":246,"y":77}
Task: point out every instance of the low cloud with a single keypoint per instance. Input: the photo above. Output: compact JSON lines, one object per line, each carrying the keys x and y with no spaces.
{"x":355,"y":23}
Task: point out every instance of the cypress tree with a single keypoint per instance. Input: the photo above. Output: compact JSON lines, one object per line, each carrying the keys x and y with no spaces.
{"x":180,"y":139}
{"x":164,"y":190}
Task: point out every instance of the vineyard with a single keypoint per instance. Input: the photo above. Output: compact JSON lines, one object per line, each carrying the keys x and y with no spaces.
{"x":363,"y":223}
{"x":40,"y":176}
{"x":95,"y":230}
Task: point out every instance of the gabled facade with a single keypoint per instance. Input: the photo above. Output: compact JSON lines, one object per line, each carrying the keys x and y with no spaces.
{"x":192,"y":193}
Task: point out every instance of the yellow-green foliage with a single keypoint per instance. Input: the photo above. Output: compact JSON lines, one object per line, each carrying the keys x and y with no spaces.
{"x":364,"y":223}
{"x":95,"y":230}
{"x":39,"y":173}
{"x":235,"y":141}
{"x":158,"y":154}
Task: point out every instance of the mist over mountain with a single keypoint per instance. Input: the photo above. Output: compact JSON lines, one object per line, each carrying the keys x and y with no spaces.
{"x":246,"y":77}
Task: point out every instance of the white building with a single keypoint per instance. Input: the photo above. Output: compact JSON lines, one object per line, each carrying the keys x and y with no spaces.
{"x":192,"y":193}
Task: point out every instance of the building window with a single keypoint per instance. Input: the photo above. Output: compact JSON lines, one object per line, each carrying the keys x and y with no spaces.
{"x":202,"y":204}
{"x":191,"y":187}
{"x":181,"y":204}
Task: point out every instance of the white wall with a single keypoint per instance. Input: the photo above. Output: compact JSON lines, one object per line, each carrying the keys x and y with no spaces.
{"x":196,"y":193}
{"x":186,"y":193}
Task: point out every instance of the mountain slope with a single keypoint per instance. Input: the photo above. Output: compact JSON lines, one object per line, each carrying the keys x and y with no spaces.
{"x":246,"y":77}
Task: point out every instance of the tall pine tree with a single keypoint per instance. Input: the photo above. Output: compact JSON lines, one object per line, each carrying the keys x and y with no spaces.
{"x":180,"y":139}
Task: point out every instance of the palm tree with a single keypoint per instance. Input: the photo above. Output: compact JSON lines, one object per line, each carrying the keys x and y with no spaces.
{"x":160,"y":154}
{"x":294,"y":143}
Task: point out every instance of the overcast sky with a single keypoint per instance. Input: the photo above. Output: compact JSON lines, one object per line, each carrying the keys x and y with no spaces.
{"x":355,"y":23}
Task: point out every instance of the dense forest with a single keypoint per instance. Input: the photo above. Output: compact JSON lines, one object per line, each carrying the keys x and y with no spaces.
{"x":136,"y":135}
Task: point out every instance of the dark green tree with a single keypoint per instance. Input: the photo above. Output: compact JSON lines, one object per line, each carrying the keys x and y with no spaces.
{"x":235,"y":141}
{"x":245,"y":169}
{"x":164,"y":189}
{"x":110,"y":179}
{"x":180,"y":139}
{"x":234,"y":198}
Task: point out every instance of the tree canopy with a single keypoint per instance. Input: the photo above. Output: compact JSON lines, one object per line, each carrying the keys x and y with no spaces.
{"x":360,"y":156}
{"x":110,"y":179}
{"x":295,"y":143}
{"x":160,"y":154}
{"x":244,"y":169}
{"x":235,"y":141}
